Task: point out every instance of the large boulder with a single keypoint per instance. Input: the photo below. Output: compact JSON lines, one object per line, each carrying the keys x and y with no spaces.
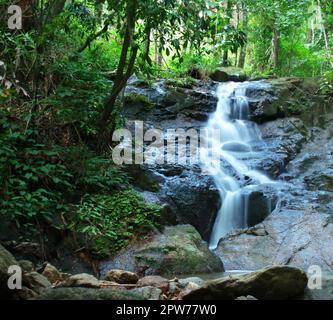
{"x":177,"y":250}
{"x":272,"y":283}
{"x":6,"y":260}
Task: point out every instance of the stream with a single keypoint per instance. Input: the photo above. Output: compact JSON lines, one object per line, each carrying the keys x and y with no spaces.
{"x":234,"y":146}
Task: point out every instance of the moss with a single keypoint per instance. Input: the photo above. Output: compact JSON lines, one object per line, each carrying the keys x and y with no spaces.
{"x":139,"y":100}
{"x":186,"y":83}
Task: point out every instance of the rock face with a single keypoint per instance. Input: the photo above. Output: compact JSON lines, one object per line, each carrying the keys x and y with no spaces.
{"x":274,"y":283}
{"x":6,"y":260}
{"x":300,"y":231}
{"x":178,"y":250}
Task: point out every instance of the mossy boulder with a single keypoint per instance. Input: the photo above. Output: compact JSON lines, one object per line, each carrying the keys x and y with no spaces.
{"x":178,"y":250}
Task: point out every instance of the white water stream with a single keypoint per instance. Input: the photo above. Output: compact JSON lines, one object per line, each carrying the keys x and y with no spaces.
{"x":233,"y":144}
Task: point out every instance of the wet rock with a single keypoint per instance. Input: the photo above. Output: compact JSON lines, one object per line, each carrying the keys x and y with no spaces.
{"x":272,"y":283}
{"x":147,"y":293}
{"x":122,"y":277}
{"x":260,"y":206}
{"x":179,"y":250}
{"x":36,"y":282}
{"x":320,"y":180}
{"x":287,"y":237}
{"x":171,"y":107}
{"x":88,"y":294}
{"x":194,"y":199}
{"x":6,"y":260}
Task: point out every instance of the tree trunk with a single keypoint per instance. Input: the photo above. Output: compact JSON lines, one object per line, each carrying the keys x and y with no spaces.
{"x":124,"y":69}
{"x":245,"y":18}
{"x":275,"y":48}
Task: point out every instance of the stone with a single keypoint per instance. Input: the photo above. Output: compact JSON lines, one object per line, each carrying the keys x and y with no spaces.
{"x":36,"y":282}
{"x":26,"y":294}
{"x":82,"y":280}
{"x":178,"y":250}
{"x":88,"y":294}
{"x":26,"y":265}
{"x":182,"y":283}
{"x":122,"y":277}
{"x":191,"y":286}
{"x":6,"y":260}
{"x":147,"y":293}
{"x":52,"y":273}
{"x":246,"y":298}
{"x":271,"y":283}
{"x":154,"y":281}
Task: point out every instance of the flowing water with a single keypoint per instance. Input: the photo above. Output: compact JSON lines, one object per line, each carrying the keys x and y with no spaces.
{"x":232,"y":144}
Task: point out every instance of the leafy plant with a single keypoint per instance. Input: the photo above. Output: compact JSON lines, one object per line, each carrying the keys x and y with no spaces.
{"x":107,"y":223}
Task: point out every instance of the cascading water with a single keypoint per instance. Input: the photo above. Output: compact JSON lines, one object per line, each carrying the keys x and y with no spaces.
{"x":233,"y":146}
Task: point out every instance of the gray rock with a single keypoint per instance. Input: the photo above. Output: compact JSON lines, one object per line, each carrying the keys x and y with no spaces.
{"x":272,"y":283}
{"x":36,"y":282}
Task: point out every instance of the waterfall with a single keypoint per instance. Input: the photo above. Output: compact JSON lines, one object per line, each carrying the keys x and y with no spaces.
{"x":233,"y":146}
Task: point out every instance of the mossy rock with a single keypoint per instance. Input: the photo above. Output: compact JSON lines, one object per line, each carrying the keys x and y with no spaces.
{"x":178,"y":250}
{"x":186,"y":83}
{"x":139,"y":101}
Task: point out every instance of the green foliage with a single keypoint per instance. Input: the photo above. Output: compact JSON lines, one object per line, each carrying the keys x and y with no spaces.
{"x":33,"y":178}
{"x":92,"y":172}
{"x":109,"y":222}
{"x":80,"y":94}
{"x":326,"y":83}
